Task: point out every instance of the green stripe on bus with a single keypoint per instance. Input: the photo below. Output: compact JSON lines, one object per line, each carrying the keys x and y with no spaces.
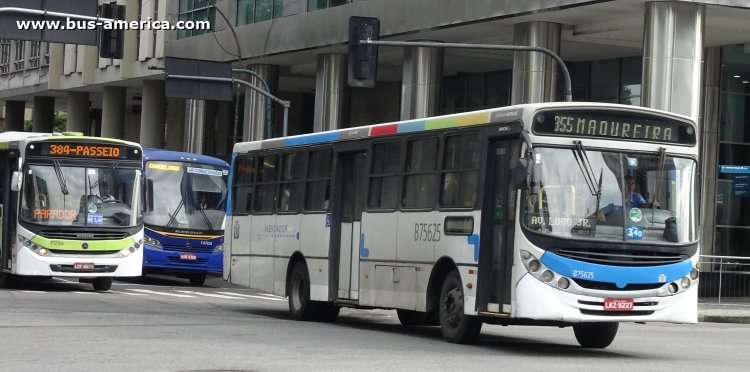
{"x":76,"y":245}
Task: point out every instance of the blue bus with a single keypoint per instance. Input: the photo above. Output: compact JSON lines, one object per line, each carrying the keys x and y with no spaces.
{"x":184,"y":214}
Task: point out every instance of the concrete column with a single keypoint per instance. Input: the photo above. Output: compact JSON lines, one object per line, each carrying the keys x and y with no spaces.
{"x":79,"y":118}
{"x":709,"y":135}
{"x":153,"y":114}
{"x":14,"y":112}
{"x":331,"y":93}
{"x":43,"y":115}
{"x":535,"y":74}
{"x":258,"y":115}
{"x":195,"y":123}
{"x":672,"y":57}
{"x":113,"y":112}
{"x":422,"y":82}
{"x":175,"y":127}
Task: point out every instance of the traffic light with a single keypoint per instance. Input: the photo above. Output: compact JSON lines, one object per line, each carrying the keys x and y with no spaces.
{"x":110,"y":38}
{"x":363,"y":58}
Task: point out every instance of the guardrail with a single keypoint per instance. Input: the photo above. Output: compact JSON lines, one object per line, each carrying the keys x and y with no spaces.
{"x":724,"y":280}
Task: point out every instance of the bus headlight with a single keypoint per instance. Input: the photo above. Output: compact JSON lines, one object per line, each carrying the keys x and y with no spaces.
{"x":151,"y":241}
{"x":219,"y":248}
{"x":563,"y":283}
{"x":534,"y":265}
{"x":685,"y":282}
{"x":547,"y":276}
{"x":694,"y":274}
{"x":25,"y":242}
{"x":127,"y":251}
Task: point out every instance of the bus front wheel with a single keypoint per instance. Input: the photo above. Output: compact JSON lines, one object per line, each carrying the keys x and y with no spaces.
{"x":456,"y":326}
{"x":595,"y":335}
{"x":102,"y":284}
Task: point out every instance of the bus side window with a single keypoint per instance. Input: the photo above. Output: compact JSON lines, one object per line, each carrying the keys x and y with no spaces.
{"x":460,"y":172}
{"x":419,"y":173}
{"x":318,"y":180}
{"x":384,"y":175}
{"x":243,"y":185}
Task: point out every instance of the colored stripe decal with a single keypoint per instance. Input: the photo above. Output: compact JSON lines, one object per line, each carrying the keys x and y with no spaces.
{"x":203,"y":237}
{"x":382,"y":130}
{"x":313,"y":138}
{"x":619,"y":275}
{"x":411,"y":126}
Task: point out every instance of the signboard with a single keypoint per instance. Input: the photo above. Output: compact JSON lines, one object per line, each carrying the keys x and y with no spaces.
{"x":740,"y":179}
{"x":198,"y":89}
{"x":82,"y":150}
{"x":617,"y":125}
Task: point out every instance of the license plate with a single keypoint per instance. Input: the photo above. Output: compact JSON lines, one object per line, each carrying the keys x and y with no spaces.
{"x":83,"y":266}
{"x":618,"y":304}
{"x":188,"y":256}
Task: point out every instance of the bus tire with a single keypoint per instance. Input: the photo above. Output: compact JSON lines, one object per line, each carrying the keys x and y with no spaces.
{"x":456,"y":326}
{"x":413,"y":318}
{"x":595,"y":335}
{"x":197,"y":280}
{"x":298,"y":290}
{"x":6,"y":280}
{"x":102,"y":283}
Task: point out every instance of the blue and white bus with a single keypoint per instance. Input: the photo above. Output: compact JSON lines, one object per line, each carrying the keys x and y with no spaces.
{"x":184,"y":214}
{"x":521,"y":215}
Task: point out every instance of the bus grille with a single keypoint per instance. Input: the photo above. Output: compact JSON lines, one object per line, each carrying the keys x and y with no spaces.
{"x":73,"y":235}
{"x":96,"y":269}
{"x":182,"y":248}
{"x":603,"y":286}
{"x":82,"y":252}
{"x":622,"y":258}
{"x":177,"y":260}
{"x":642,"y":308}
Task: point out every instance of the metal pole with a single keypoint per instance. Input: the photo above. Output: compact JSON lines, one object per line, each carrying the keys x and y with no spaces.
{"x":269,"y":113}
{"x":560,"y":62}
{"x":283,"y":103}
{"x":55,"y":14}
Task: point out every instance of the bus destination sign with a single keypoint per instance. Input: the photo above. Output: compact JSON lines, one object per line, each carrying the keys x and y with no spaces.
{"x":83,"y":150}
{"x":614,"y":125}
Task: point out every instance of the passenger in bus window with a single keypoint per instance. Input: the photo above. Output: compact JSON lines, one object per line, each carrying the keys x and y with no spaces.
{"x":202,"y":201}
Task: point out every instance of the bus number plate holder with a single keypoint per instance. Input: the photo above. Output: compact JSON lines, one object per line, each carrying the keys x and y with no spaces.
{"x":83,"y":266}
{"x":618,"y":304}
{"x":188,"y":256}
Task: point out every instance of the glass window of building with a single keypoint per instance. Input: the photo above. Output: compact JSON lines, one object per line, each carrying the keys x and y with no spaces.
{"x":195,"y":11}
{"x":732,"y":194}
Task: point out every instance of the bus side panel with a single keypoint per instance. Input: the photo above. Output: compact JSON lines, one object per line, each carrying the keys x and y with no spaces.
{"x":286,"y":242}
{"x":261,"y":252}
{"x":314,"y":238}
{"x":463,"y":248}
{"x":417,"y":234}
{"x":239,"y":265}
{"x":377,"y":254}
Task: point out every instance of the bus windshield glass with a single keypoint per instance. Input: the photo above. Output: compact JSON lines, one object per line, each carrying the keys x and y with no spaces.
{"x":644,"y":197}
{"x":63,"y":195}
{"x":186,"y":197}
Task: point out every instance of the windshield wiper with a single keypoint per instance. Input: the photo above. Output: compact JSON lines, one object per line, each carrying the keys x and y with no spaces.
{"x":60,"y":178}
{"x":660,"y":174}
{"x":595,"y":187}
{"x":205,"y":218}
{"x":173,"y":215}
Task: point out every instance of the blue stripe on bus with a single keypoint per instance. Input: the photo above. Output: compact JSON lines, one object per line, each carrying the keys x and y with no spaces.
{"x":411,"y":126}
{"x":314,"y":138}
{"x":474,"y":240}
{"x":619,"y":275}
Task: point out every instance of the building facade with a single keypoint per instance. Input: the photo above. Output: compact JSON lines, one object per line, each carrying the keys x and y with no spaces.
{"x":688,"y":57}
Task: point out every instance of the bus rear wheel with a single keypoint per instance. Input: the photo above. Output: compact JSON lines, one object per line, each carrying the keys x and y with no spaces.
{"x":197,"y":279}
{"x":595,"y":335}
{"x":102,"y":284}
{"x":456,"y":326}
{"x":298,"y":290}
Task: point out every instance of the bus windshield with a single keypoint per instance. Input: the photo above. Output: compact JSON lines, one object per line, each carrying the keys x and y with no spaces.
{"x":186,"y":197}
{"x":645,"y":197}
{"x":65,"y":195}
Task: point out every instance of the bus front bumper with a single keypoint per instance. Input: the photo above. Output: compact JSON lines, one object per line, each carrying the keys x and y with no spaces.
{"x":77,"y":265}
{"x":155,"y":259}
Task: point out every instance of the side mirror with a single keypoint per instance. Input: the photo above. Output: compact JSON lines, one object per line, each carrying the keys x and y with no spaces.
{"x":520,"y":173}
{"x":15,"y":181}
{"x":149,"y":192}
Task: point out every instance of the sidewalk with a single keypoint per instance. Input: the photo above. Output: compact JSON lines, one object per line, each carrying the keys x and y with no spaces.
{"x":735,"y":312}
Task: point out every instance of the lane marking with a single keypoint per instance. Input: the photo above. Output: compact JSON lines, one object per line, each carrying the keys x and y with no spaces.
{"x":210,"y":295}
{"x":274,"y":298}
{"x":147,"y":291}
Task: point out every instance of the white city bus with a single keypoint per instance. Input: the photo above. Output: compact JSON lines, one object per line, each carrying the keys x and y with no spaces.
{"x":509,"y":216}
{"x":71,"y":207}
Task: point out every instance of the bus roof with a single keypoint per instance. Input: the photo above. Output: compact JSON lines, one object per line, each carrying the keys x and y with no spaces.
{"x":168,"y":155}
{"x":7,"y":137}
{"x":493,"y":115}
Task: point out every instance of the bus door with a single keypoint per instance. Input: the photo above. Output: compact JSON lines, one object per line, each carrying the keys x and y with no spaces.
{"x":8,"y":199}
{"x":496,"y":239}
{"x":347,"y":224}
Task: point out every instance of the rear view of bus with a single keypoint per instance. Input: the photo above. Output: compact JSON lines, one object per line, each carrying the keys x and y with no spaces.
{"x":71,"y":207}
{"x":184,"y":215}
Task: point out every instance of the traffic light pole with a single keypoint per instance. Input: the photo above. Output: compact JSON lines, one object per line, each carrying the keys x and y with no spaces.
{"x":53,"y":14}
{"x":520,"y":48}
{"x":283,"y":103}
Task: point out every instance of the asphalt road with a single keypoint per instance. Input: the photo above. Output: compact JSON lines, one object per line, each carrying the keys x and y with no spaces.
{"x":162,"y":324}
